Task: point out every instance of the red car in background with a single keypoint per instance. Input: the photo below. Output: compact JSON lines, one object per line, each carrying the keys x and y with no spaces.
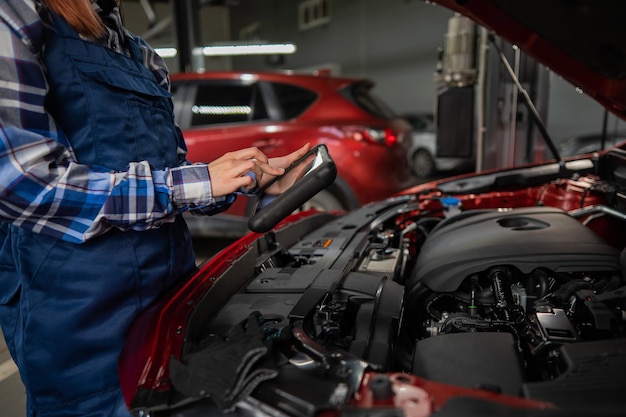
{"x":278,"y":113}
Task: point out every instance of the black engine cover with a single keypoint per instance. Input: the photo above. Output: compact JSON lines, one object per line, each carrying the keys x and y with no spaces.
{"x":473,"y":360}
{"x":526,"y":238}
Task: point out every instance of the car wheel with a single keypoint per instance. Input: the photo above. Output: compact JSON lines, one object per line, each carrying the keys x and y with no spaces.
{"x":323,"y":201}
{"x":423,"y":164}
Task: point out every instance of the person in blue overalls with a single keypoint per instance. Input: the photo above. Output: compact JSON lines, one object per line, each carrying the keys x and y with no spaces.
{"x":93,"y":183}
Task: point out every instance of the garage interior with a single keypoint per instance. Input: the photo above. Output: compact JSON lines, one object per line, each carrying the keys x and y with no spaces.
{"x":423,"y":59}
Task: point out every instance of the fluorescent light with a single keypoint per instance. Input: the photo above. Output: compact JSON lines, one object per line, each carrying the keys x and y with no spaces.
{"x":166,"y":52}
{"x":248,"y":49}
{"x":235,"y":49}
{"x":221,"y":110}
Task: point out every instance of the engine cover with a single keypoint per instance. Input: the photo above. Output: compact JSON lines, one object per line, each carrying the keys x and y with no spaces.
{"x":526,"y":238}
{"x":472,"y":360}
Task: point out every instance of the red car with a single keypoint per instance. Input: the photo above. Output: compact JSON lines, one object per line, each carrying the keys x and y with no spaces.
{"x":500,"y":293}
{"x":278,"y":113}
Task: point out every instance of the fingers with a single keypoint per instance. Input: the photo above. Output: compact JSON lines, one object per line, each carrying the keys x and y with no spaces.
{"x":270,"y":170}
{"x":282,"y":162}
{"x":228,"y":175}
{"x":300,"y":152}
{"x":228,"y":172}
{"x":246,"y":153}
{"x":286,"y":160}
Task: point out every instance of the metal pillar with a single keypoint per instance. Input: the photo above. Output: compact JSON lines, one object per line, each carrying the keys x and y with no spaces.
{"x":511,"y":135}
{"x":186,"y":14}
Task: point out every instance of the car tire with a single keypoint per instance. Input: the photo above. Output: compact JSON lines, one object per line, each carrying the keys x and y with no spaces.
{"x":423,"y":164}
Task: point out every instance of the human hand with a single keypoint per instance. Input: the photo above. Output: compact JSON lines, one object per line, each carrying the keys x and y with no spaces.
{"x":283,"y":162}
{"x":228,"y":172}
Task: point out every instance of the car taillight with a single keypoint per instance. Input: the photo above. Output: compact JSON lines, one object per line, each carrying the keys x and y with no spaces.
{"x":386,"y":136}
{"x":391,"y":137}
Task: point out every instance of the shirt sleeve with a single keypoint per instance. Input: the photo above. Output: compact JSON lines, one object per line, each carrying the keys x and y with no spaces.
{"x":43,"y":190}
{"x":42,"y":186}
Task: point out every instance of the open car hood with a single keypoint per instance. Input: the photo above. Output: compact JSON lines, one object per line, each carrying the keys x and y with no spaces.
{"x":584,"y":40}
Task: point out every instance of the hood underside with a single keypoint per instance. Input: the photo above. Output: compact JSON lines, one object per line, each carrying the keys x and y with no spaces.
{"x":582,"y":40}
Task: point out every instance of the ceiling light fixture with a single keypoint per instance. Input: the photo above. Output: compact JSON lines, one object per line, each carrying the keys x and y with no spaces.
{"x":166,"y":52}
{"x":231,"y":49}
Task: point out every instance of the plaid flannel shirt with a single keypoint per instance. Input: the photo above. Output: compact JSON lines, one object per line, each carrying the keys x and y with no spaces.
{"x":42,"y":186}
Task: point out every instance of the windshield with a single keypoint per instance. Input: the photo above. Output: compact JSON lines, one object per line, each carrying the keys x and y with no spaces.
{"x":579,"y":124}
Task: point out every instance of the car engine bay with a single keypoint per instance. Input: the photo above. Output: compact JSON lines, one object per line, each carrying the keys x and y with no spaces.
{"x":510,"y":294}
{"x":519,"y":292}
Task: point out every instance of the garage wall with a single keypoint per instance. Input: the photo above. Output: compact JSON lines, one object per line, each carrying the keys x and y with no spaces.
{"x":393,"y":42}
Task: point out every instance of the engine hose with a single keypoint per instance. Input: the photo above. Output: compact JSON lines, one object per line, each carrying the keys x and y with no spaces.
{"x":568,"y":289}
{"x":414,"y":309}
{"x":501,"y":284}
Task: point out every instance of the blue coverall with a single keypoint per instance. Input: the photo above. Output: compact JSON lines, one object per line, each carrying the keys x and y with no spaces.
{"x":74,"y":303}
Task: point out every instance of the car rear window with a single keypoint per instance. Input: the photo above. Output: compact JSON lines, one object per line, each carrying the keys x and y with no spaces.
{"x":361,"y":95}
{"x":224,"y":103}
{"x":293,"y":100}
